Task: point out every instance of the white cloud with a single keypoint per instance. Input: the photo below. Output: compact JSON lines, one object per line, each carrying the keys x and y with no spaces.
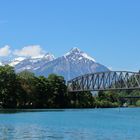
{"x":5,"y":51}
{"x":30,"y":51}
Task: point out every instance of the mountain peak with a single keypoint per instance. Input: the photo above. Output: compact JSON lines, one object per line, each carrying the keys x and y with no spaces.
{"x":75,"y":49}
{"x":76,"y":53}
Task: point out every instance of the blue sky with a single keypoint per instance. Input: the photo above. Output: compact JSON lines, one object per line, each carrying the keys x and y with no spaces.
{"x":108,"y":30}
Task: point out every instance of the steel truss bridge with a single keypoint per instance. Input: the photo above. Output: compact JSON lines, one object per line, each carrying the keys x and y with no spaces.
{"x":110,"y":80}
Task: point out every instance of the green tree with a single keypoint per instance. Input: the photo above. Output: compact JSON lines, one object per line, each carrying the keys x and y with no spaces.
{"x":107,"y":99}
{"x":43,"y":94}
{"x":138,"y":103}
{"x":27,"y":81}
{"x":81,"y":100}
{"x":58,"y":90}
{"x":8,"y":87}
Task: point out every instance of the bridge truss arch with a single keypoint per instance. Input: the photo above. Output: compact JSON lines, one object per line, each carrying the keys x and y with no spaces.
{"x":101,"y":81}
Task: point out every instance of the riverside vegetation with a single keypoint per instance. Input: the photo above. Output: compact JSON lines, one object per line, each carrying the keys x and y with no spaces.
{"x":25,"y":90}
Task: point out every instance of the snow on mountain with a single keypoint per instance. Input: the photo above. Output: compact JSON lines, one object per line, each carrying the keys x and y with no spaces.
{"x":16,"y":61}
{"x":34,"y":63}
{"x":77,"y":54}
{"x":24,"y":63}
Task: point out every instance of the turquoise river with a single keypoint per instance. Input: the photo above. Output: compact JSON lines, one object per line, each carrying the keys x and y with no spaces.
{"x":69,"y":124}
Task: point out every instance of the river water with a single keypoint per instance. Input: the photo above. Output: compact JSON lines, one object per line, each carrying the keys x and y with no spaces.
{"x":78,"y":124}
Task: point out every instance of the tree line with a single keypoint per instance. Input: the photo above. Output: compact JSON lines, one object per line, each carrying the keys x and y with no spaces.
{"x":25,"y":90}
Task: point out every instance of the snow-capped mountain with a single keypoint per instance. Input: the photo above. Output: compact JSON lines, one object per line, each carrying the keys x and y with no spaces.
{"x":70,"y":65}
{"x":33,"y":63}
{"x":28,"y":63}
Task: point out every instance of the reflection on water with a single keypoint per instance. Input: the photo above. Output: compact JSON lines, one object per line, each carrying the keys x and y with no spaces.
{"x":87,"y":124}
